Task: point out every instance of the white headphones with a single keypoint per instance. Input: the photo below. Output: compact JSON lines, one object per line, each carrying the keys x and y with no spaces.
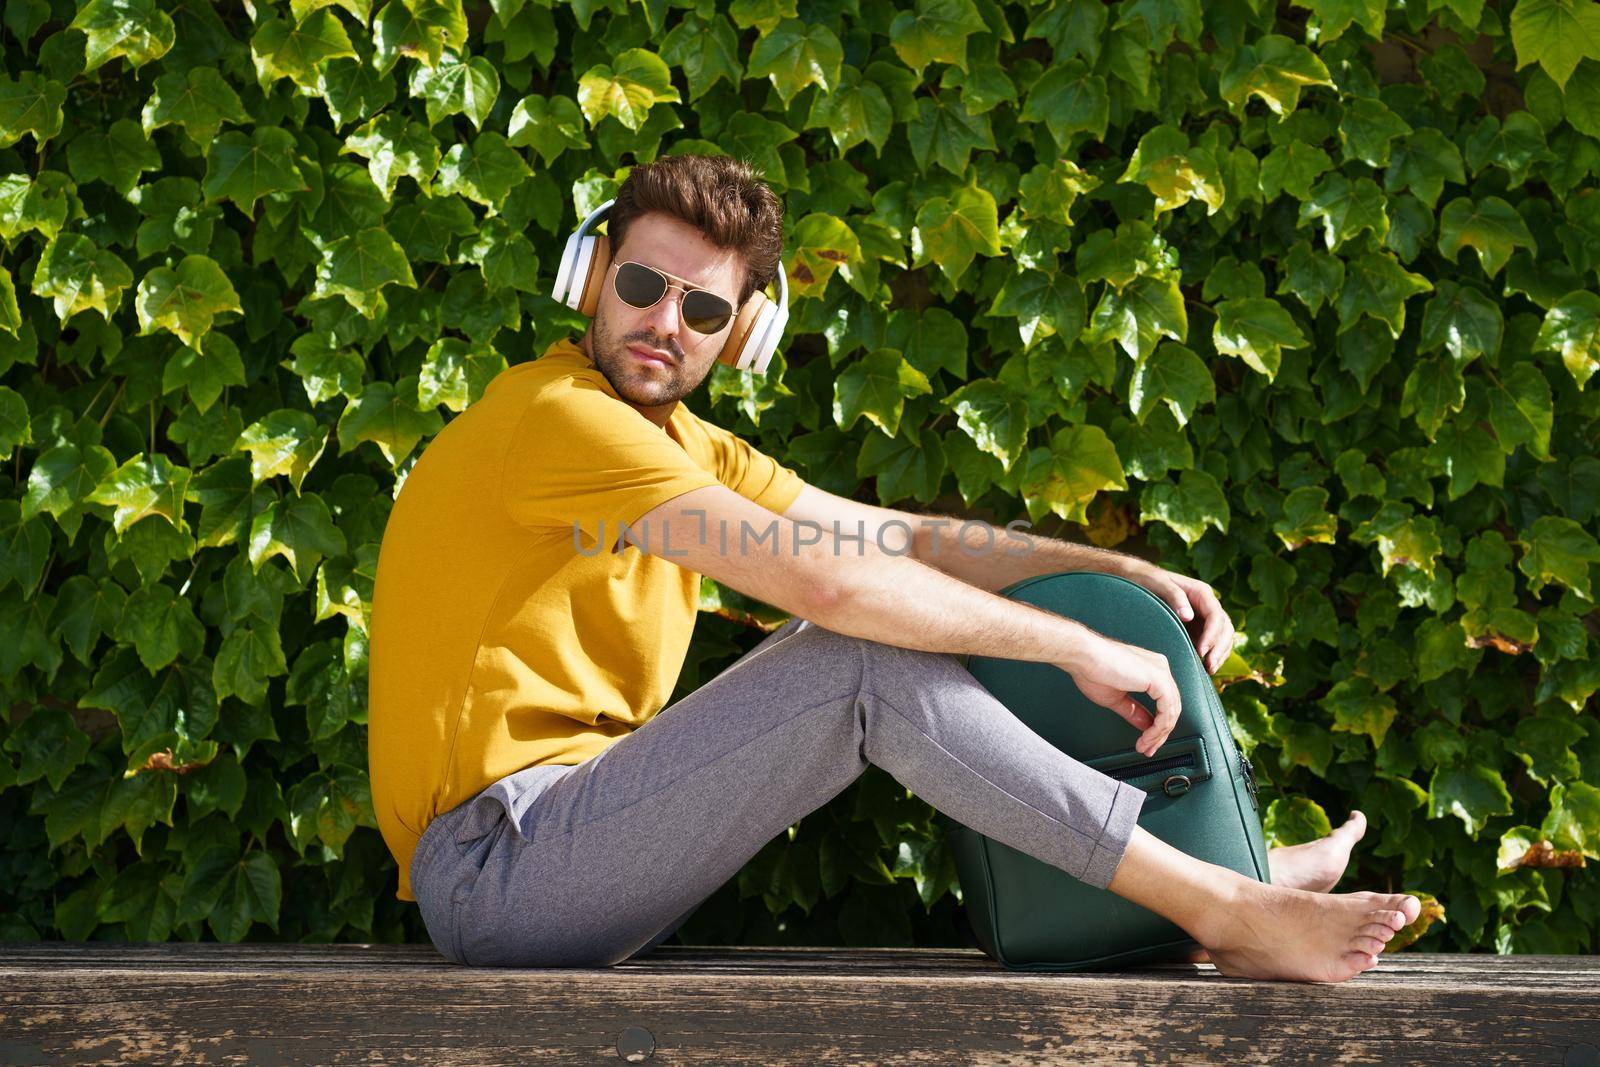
{"x":757,"y":325}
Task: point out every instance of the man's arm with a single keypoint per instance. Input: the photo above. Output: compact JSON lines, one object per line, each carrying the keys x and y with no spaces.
{"x":977,"y":552}
{"x":851,"y":587}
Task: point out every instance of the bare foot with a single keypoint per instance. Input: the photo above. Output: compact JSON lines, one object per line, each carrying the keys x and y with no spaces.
{"x":1315,"y":866}
{"x":1276,"y":932}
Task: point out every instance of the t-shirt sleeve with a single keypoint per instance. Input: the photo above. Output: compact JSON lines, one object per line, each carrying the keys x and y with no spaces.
{"x":580,"y":456}
{"x":750,"y":472}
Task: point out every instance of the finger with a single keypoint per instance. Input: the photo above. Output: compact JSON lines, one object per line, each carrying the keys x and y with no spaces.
{"x":1119,"y":701}
{"x":1169,"y":705}
{"x":1178,"y":597}
{"x":1139,"y":715}
{"x":1217,"y":626}
{"x":1164,"y":691}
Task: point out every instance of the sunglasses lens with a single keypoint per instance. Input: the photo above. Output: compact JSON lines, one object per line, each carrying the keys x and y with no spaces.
{"x":705,"y":312}
{"x":638,"y":285}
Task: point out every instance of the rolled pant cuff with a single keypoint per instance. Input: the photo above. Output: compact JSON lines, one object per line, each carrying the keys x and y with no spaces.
{"x":1126,"y":804}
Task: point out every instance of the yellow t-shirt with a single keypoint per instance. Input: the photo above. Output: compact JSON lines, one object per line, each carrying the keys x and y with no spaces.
{"x":496,"y":643}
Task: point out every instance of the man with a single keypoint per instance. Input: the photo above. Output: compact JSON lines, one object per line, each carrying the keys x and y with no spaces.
{"x":543,"y":806}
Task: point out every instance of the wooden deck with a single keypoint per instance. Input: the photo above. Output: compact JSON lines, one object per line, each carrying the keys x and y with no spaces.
{"x":73,"y":1002}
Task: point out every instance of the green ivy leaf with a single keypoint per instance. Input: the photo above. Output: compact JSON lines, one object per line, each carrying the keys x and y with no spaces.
{"x":936,"y":32}
{"x":1557,"y":549}
{"x":1423,"y":161}
{"x":395,"y":147}
{"x":198,"y":99}
{"x":706,"y":49}
{"x":30,"y":104}
{"x":1366,"y":127}
{"x":877,"y":386}
{"x":1378,"y":286}
{"x":637,"y":82}
{"x":117,"y":157}
{"x":145,"y":485}
{"x":952,"y":231}
{"x":249,"y":655}
{"x":388,"y":416}
{"x":246,"y":168}
{"x":1138,"y":315}
{"x":1572,"y":328}
{"x":1174,"y":375}
{"x":822,"y":243}
{"x":1330,"y":18}
{"x":285,"y":441}
{"x":300,"y":529}
{"x":280,"y":49}
{"x":161,"y":626}
{"x":1346,"y":208}
{"x":77,"y":275}
{"x":1473,"y":792}
{"x":1066,"y":477}
{"x":1174,"y":172}
{"x":1274,"y":68}
{"x":994,"y":416}
{"x":1256,"y":329}
{"x":859,"y":111}
{"x":1490,"y":226}
{"x":1295,"y":821}
{"x":137,"y":29}
{"x":1463,"y":321}
{"x":455,"y":373}
{"x":902,"y":467}
{"x":357,"y":267}
{"x":1360,"y":707}
{"x":50,"y":746}
{"x":1555,"y":33}
{"x":485,"y":171}
{"x":1069,"y":99}
{"x":1197,"y":501}
{"x":457,"y":87}
{"x":1044,"y":305}
{"x":61,"y":481}
{"x":184,"y":301}
{"x":945,"y":133}
{"x":1574,"y":819}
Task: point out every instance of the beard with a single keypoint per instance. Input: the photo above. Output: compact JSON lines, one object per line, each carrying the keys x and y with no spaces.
{"x":636,"y":382}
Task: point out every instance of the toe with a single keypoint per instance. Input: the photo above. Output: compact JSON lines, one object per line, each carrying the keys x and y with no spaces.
{"x":1392,"y":919}
{"x":1366,"y":943}
{"x":1361,"y":961}
{"x":1382,"y":931}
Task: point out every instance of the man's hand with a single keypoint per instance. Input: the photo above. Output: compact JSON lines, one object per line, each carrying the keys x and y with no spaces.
{"x":1189,"y":596}
{"x":1109,"y":672}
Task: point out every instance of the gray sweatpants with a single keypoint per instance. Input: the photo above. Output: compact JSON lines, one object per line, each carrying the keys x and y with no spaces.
{"x":591,"y":864}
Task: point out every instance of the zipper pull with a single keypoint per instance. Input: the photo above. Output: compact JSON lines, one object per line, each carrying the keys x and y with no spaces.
{"x":1249,"y":773}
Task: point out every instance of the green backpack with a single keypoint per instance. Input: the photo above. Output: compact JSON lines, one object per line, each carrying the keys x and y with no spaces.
{"x":1202,"y":790}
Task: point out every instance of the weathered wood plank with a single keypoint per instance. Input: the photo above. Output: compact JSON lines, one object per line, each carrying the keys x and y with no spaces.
{"x":266,"y":1003}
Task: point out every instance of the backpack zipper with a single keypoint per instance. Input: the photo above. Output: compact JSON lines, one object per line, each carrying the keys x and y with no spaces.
{"x":1249,"y":773}
{"x":1149,"y":766}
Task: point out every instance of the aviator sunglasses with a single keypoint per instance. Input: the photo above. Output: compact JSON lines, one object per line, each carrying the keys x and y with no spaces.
{"x":642,"y":287}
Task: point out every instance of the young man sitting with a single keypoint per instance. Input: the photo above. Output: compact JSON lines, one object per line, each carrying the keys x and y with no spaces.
{"x":546,"y":809}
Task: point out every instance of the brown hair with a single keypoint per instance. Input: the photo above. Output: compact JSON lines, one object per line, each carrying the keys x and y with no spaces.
{"x":722,"y":197}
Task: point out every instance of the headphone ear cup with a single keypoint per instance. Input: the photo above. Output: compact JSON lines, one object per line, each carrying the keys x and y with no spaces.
{"x":598,"y":263}
{"x":748,"y":323}
{"x":757,"y":343}
{"x":769,"y":346}
{"x":569,"y":257}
